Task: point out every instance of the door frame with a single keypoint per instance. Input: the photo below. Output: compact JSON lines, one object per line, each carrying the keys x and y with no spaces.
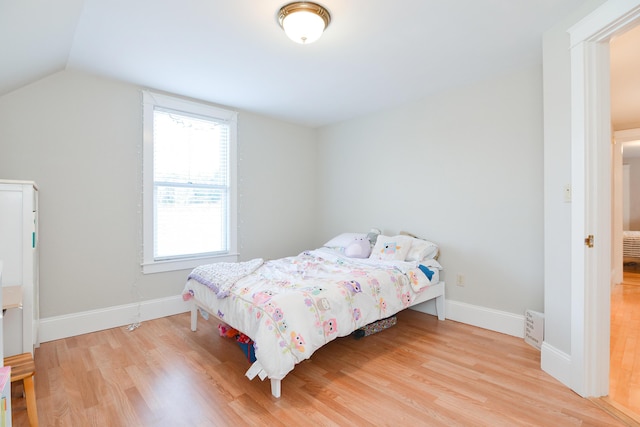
{"x":591,"y":190}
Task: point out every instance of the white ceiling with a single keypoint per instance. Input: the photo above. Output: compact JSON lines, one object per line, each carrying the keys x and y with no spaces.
{"x":374,"y":55}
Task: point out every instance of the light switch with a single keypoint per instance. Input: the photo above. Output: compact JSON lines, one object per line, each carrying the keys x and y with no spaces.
{"x":567,"y":193}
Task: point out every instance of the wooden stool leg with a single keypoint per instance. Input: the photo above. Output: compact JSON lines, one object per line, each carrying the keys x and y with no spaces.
{"x":30,"y":394}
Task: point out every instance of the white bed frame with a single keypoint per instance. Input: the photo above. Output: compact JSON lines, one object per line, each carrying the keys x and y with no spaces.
{"x":432,"y":292}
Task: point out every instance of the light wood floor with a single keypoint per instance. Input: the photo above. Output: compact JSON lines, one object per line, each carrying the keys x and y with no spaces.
{"x":420,"y":372}
{"x":624,"y":372}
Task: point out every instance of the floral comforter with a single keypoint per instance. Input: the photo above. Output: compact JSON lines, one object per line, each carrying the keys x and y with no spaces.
{"x":292,"y":306}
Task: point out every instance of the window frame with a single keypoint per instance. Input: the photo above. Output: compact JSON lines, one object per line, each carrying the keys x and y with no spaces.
{"x":151,"y":100}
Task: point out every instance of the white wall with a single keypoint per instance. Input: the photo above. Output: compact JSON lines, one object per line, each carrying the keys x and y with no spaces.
{"x":557,"y":174}
{"x":464,"y":169}
{"x":277,"y":201}
{"x":79,"y":137}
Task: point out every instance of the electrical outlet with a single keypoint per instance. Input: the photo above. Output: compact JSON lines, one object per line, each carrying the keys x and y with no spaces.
{"x":460,"y":279}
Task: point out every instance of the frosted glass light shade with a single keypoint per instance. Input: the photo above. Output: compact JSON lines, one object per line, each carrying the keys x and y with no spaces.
{"x":303,"y":27}
{"x":303,"y":22}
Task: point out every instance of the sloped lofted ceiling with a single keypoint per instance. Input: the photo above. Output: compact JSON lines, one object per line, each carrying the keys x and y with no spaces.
{"x":374,"y":55}
{"x":36,"y":39}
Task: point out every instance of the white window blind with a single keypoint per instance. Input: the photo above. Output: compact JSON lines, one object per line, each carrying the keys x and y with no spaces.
{"x":190,"y":213}
{"x":191,"y":185}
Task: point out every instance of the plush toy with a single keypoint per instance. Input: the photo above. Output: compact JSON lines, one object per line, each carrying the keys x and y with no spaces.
{"x":227,"y":331}
{"x":359,"y":248}
{"x":373,"y":236}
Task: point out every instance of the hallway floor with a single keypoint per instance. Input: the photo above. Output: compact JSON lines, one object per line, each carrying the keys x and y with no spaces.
{"x":624,"y":378}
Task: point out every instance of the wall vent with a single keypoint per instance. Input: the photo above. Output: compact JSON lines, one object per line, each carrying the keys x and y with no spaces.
{"x":534,"y":328}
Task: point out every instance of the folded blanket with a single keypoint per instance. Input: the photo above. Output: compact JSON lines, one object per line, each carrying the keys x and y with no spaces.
{"x":221,"y":276}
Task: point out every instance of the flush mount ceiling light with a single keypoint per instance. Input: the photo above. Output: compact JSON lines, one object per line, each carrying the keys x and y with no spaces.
{"x":303,"y":21}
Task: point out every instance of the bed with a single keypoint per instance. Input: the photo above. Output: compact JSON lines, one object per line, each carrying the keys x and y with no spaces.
{"x":631,"y":246}
{"x":292,"y":306}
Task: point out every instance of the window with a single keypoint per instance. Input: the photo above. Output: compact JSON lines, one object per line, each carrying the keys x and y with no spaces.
{"x":189,"y":200}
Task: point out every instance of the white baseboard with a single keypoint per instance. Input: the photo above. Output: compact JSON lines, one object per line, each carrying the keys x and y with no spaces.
{"x":58,"y":327}
{"x":482,"y":317}
{"x":556,"y":363}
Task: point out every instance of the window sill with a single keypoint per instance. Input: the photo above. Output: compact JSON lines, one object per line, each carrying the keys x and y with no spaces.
{"x":185,"y":264}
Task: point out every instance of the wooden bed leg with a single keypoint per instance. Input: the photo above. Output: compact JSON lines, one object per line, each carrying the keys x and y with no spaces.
{"x":440,"y":307}
{"x":276,"y":388}
{"x":194,"y":317}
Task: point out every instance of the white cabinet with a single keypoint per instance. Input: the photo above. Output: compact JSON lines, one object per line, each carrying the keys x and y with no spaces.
{"x":19,"y":255}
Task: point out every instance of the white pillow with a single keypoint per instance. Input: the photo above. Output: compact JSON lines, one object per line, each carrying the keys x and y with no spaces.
{"x":343,"y":240}
{"x":421,"y":249}
{"x":393,"y":248}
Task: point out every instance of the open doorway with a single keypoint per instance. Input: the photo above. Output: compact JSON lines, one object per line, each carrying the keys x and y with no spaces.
{"x":624,"y":365}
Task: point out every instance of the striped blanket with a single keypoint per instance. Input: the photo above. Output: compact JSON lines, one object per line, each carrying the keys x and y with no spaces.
{"x":221,"y":276}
